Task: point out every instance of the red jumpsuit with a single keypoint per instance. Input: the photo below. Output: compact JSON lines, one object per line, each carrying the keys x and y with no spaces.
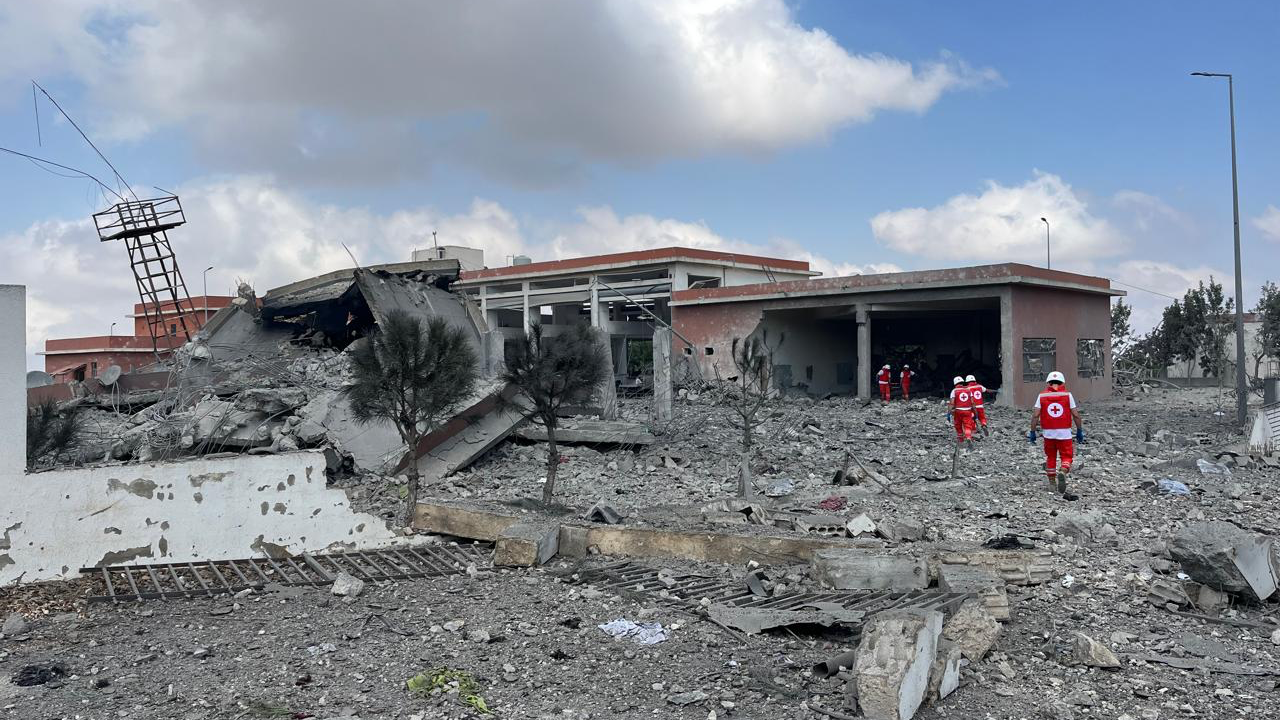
{"x":979,"y":411}
{"x":884,"y":376}
{"x":962,"y":412}
{"x":905,"y":379}
{"x":1055,"y":408}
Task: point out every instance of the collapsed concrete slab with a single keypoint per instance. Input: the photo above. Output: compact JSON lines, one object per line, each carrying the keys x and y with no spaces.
{"x":1015,"y":567}
{"x":1225,"y":557}
{"x":983,"y":582}
{"x":465,"y":520}
{"x":972,"y":629}
{"x":527,"y":544}
{"x":486,"y":421}
{"x":893,"y":663}
{"x":588,"y":432}
{"x":842,"y":569}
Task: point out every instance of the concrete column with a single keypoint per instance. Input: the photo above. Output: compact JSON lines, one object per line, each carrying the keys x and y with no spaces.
{"x":662,"y":376}
{"x":595,"y":305}
{"x":1010,"y":372}
{"x":528,"y":320}
{"x":493,"y":344}
{"x":13,"y":382}
{"x":608,"y":393}
{"x":864,"y":352}
{"x":484,"y":301}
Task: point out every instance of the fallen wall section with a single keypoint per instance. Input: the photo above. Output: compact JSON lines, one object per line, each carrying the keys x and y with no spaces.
{"x":56,"y":522}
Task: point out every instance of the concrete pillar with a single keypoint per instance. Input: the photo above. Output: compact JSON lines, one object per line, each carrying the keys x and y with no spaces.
{"x":864,"y":352}
{"x":484,"y":301}
{"x":493,"y":344}
{"x":1010,"y":373}
{"x":13,"y":381}
{"x":528,"y":320}
{"x":595,"y":305}
{"x":662,"y":376}
{"x":608,"y":393}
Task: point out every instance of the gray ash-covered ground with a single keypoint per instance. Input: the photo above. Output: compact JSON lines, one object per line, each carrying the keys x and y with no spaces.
{"x":267,"y":656}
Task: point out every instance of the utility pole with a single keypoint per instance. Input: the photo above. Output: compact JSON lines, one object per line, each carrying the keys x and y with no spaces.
{"x":205,"y":281}
{"x":1048,"y":264}
{"x":1242,"y":384}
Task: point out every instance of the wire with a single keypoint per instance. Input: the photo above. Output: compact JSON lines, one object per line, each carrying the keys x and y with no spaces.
{"x":86,"y":139}
{"x":35,"y":105}
{"x":1135,"y":287}
{"x":81,"y":173}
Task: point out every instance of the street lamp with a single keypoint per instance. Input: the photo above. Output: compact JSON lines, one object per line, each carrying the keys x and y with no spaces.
{"x":1242,"y":390}
{"x":111,"y":332}
{"x":1047,"y":264}
{"x":205,"y":279}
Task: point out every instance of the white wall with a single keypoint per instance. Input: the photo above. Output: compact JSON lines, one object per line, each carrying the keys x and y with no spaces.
{"x":1252,"y":345}
{"x":53,"y":523}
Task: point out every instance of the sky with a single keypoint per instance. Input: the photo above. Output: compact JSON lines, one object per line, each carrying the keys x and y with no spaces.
{"x":864,"y":136}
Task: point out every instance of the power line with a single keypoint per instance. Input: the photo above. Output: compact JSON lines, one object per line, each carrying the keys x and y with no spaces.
{"x":86,"y":139}
{"x":1135,"y":287}
{"x":79,"y":173}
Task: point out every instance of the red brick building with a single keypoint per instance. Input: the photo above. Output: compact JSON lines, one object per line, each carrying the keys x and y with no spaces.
{"x":80,"y":358}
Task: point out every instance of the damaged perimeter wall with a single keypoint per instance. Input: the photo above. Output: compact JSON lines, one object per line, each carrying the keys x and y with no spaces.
{"x":53,"y":523}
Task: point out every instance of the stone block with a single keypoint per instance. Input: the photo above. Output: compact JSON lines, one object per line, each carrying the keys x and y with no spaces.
{"x":527,"y":544}
{"x":1087,"y":651}
{"x":471,"y":521}
{"x":858,"y":570}
{"x":895,"y":656}
{"x":972,"y":629}
{"x":573,"y":541}
{"x":347,"y":585}
{"x":980,"y":581}
{"x":1227,"y":558}
{"x":899,"y":530}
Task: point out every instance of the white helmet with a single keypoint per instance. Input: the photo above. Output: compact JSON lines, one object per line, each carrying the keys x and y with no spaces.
{"x":957,"y":380}
{"x":1056,"y":377}
{"x":971,"y":379}
{"x":906,"y":367}
{"x":886,"y":367}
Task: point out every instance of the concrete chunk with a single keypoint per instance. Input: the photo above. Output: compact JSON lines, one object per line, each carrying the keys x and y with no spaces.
{"x":527,"y":544}
{"x":900,"y":530}
{"x":347,"y":585}
{"x":1087,"y":651}
{"x":857,"y":570}
{"x":980,"y":581}
{"x":1224,"y":557}
{"x":1015,"y":567}
{"x":972,"y":629}
{"x":944,"y":675}
{"x":893,"y":663}
{"x":573,"y":541}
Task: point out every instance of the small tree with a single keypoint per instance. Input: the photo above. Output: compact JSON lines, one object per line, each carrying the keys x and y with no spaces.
{"x":1218,"y":326}
{"x":753,"y":358}
{"x":550,"y":373}
{"x":1268,"y":310}
{"x":413,"y":376}
{"x":1121,"y":330}
{"x":50,"y":431}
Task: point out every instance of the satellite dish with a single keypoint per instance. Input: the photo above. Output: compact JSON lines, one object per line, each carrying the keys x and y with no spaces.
{"x":38,"y":378}
{"x":110,"y":375}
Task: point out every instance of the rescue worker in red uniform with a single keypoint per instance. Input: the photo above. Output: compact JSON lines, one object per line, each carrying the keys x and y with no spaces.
{"x":905,"y":379}
{"x":961,"y":410}
{"x":979,"y":412}
{"x":1055,"y":412}
{"x":884,"y":377}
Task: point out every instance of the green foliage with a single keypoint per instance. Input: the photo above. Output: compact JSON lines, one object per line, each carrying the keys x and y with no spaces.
{"x":411,"y":375}
{"x":1218,"y":325}
{"x":552,"y":372}
{"x":447,"y":680}
{"x":1268,"y":310}
{"x":1121,"y":331}
{"x":50,"y":431}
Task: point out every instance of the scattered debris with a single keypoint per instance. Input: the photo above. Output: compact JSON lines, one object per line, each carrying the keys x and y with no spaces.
{"x":347,"y":585}
{"x":650,"y":633}
{"x":446,"y":681}
{"x":1087,"y":651}
{"x":1222,"y":556}
{"x":40,"y":674}
{"x":894,"y":659}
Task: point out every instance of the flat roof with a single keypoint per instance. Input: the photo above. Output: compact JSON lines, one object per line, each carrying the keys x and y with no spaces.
{"x":628,"y":259}
{"x":1002,"y":274}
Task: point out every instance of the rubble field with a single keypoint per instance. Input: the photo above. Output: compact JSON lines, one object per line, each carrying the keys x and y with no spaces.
{"x":1124,"y":625}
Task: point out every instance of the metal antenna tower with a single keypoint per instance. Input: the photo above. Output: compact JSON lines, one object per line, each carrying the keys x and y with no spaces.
{"x":144,"y":226}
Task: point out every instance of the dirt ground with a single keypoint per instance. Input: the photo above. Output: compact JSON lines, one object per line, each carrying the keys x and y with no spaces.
{"x":529,"y":640}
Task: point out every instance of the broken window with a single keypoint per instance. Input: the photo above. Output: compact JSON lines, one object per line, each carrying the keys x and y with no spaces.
{"x":94,"y":368}
{"x":1089,"y":360}
{"x":708,"y":350}
{"x":1039,"y":358}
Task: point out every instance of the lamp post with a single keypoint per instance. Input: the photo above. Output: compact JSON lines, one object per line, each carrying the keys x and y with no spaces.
{"x":111,"y":332}
{"x":1242,"y":389}
{"x":205,"y":280}
{"x":1048,"y":265}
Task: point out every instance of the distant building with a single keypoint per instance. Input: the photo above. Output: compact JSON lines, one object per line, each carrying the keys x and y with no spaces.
{"x":81,"y":358}
{"x":1256,"y":363}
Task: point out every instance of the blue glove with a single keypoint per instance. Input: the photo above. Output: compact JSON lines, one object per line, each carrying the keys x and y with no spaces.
{"x":1079,"y":434}
{"x":948,"y":417}
{"x":1031,"y":436}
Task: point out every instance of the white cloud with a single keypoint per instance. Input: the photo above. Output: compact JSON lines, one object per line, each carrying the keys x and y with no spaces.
{"x":1003,"y":225}
{"x":251,"y":230}
{"x":1269,"y":223}
{"x":375,"y":90}
{"x":1153,"y":284}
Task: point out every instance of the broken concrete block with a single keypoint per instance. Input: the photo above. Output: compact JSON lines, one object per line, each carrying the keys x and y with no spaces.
{"x":472,"y":521}
{"x":858,"y":570}
{"x":980,"y":581}
{"x":972,"y":629}
{"x":1087,"y":651}
{"x":825,"y":525}
{"x":1078,"y":526}
{"x":1162,"y":592}
{"x":347,"y":585}
{"x":1224,"y":557}
{"x":860,"y":525}
{"x":894,"y":658}
{"x":573,"y":541}
{"x":15,"y":624}
{"x":527,"y":544}
{"x":944,"y":675}
{"x":1015,"y":567}
{"x":899,"y":530}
